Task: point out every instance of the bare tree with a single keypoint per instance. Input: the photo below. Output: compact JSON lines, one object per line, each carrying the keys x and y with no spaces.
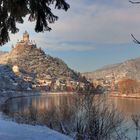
{"x":134,"y":39}
{"x":94,"y":119}
{"x":136,"y":120}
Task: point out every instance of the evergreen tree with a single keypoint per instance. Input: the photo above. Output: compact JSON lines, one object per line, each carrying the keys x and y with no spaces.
{"x":13,"y":11}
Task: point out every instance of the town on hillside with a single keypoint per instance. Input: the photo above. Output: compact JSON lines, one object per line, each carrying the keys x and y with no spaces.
{"x":117,"y":84}
{"x":43,"y":72}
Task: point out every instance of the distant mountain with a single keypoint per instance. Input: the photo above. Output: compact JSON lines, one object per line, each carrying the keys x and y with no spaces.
{"x":129,"y":69}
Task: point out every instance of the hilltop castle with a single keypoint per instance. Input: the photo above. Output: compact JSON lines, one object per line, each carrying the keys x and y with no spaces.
{"x":25,"y":41}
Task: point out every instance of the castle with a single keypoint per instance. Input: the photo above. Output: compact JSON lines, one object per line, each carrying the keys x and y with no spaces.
{"x":26,"y":37}
{"x":25,"y":41}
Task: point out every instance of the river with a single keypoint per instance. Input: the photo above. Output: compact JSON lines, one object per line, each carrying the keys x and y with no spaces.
{"x":50,"y":103}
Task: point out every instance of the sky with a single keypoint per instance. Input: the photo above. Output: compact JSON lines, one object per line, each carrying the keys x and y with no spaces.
{"x":91,"y":34}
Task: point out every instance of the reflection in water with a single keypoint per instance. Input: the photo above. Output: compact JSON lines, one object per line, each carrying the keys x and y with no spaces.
{"x":40,"y":103}
{"x":127,"y":106}
{"x":51,"y":110}
{"x":52,"y":102}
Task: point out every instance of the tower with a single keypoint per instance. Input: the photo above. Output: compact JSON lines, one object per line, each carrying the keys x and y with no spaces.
{"x":113,"y":82}
{"x":25,"y":36}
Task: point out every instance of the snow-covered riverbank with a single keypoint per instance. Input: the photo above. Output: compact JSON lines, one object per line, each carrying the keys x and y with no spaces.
{"x":13,"y":131}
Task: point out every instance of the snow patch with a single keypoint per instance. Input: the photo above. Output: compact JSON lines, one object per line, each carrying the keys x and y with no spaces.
{"x":14,"y":131}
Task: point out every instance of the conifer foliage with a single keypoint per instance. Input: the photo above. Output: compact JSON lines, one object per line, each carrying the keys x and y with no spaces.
{"x":13,"y":11}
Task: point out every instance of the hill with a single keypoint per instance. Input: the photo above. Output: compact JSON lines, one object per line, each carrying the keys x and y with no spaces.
{"x":129,"y":69}
{"x":33,"y":65}
{"x":32,"y":60}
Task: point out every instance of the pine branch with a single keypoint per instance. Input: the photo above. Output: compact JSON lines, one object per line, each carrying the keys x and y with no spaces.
{"x":134,"y":2}
{"x":135,"y":40}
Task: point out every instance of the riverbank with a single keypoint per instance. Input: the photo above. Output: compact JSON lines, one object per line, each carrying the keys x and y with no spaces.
{"x":135,"y":96}
{"x":4,"y":96}
{"x":13,"y":131}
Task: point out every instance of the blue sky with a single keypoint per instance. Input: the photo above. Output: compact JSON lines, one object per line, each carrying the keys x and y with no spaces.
{"x":93,"y":33}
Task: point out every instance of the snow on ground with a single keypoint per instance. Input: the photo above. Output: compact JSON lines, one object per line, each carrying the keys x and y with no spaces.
{"x":13,"y":131}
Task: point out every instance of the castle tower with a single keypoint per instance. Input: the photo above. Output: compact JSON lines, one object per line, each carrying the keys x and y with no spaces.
{"x":25,"y":36}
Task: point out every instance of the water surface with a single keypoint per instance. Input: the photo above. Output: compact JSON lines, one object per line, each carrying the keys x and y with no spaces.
{"x":50,"y":104}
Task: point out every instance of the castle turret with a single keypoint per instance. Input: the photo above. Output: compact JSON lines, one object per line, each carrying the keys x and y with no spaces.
{"x":25,"y":36}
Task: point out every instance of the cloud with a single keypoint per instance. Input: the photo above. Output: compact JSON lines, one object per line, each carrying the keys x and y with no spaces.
{"x":65,"y":46}
{"x":98,"y":21}
{"x":69,"y":47}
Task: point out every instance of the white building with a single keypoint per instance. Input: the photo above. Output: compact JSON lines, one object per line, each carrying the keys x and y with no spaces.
{"x":15,"y":69}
